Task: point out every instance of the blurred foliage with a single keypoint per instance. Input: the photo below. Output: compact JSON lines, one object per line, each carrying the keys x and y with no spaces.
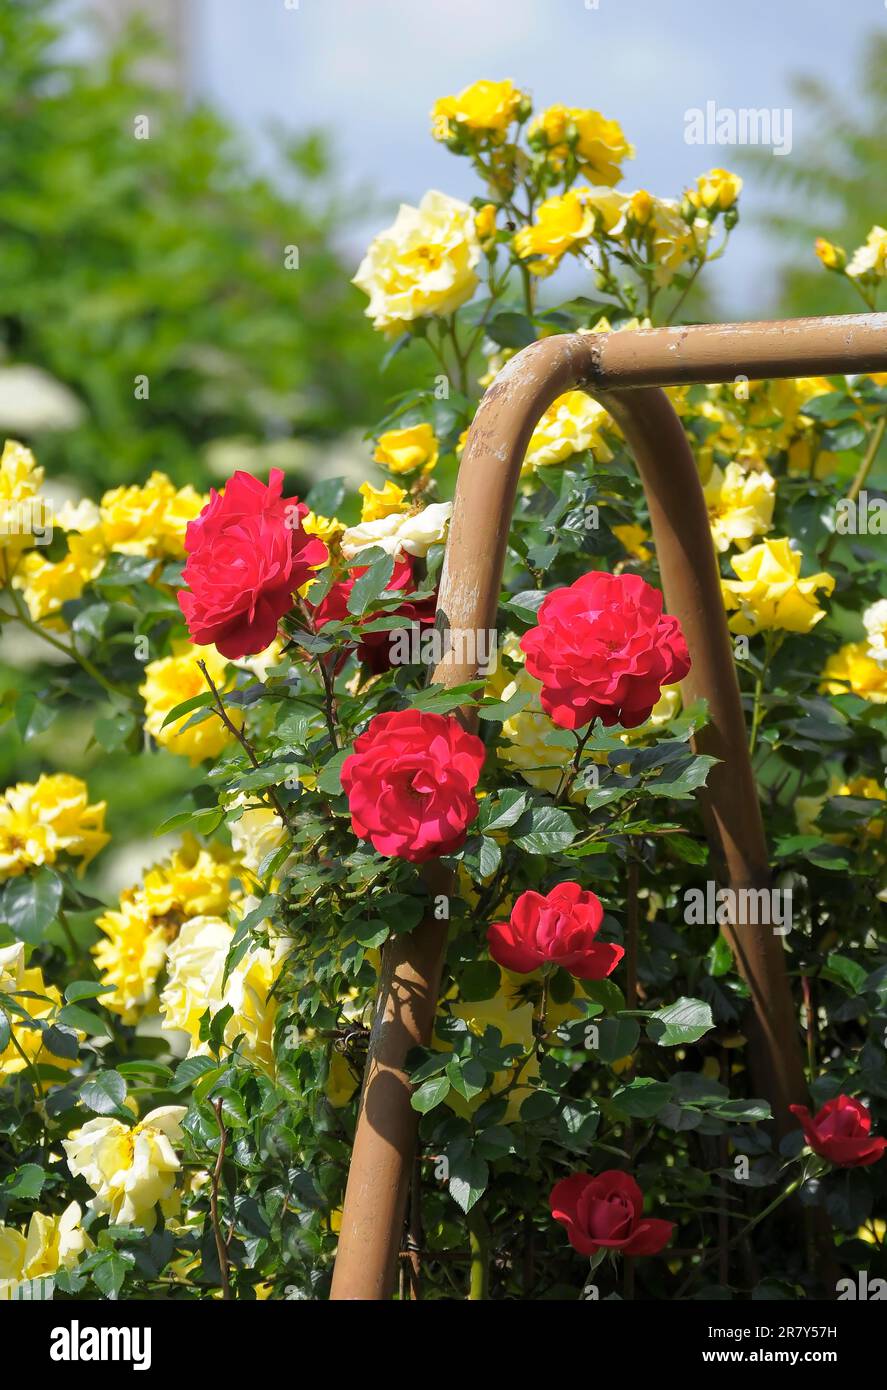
{"x":835,"y":184}
{"x":165,"y":257}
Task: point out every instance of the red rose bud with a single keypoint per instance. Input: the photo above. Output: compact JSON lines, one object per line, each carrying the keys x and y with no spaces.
{"x":841,"y":1132}
{"x":560,"y":927}
{"x":375,"y":647}
{"x":603,"y":649}
{"x":607,"y":1212}
{"x":247,"y":556}
{"x":410,"y":784}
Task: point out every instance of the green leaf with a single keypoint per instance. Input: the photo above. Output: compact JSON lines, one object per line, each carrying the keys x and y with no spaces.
{"x":112,"y":731}
{"x":191,"y":1070}
{"x":479,"y":980}
{"x":641,"y":1098}
{"x":26,"y":1183}
{"x":370,"y":585}
{"x":685,"y":1021}
{"x":469,"y":1176}
{"x":551,"y":830}
{"x":86,"y":989}
{"x":616,"y":1037}
{"x":104,"y":1094}
{"x":538,"y":1106}
{"x":186,"y":706}
{"x":30,"y":903}
{"x":72,"y":1016}
{"x":502,"y":810}
{"x":468,"y":1076}
{"x":330,"y":777}
{"x":430,"y":1094}
{"x":61,"y":1042}
{"x":511,"y":330}
{"x":202,"y":822}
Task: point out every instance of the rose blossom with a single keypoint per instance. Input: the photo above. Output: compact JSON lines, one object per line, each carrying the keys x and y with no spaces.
{"x":560,"y":927}
{"x":247,"y":556}
{"x":410,"y":783}
{"x":603,"y":649}
{"x":841,"y":1132}
{"x":607,"y":1212}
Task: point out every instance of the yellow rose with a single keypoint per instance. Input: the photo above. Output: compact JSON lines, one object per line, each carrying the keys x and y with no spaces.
{"x":380,"y":502}
{"x":424,"y":264}
{"x":196,"y":966}
{"x":41,"y":821}
{"x":22,"y":510}
{"x":770,"y":594}
{"x":833,"y":257}
{"x":406,"y":450}
{"x":740,"y":505}
{"x":26,"y":1044}
{"x":599,"y":145}
{"x":51,"y":1243}
{"x":563,"y":223}
{"x":131,"y":1170}
{"x":869,"y":261}
{"x":341,"y":1082}
{"x":485,"y":225}
{"x":47,"y":584}
{"x":149,"y":520}
{"x":132,"y":951}
{"x":326,"y":527}
{"x":633,"y":538}
{"x":672,"y":242}
{"x":852,"y":670}
{"x":483,"y":108}
{"x":571,"y":424}
{"x":171,"y":680}
{"x":718,"y":189}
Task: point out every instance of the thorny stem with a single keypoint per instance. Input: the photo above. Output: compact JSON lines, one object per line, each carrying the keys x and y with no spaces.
{"x":572,"y":773}
{"x":856,"y":486}
{"x":221,"y":1245}
{"x":329,"y":703}
{"x":244,"y":743}
{"x":741,"y":1234}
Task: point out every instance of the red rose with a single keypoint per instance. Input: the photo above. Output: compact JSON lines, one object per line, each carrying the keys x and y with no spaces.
{"x":841,"y":1132}
{"x":603,"y":649}
{"x":247,"y":556}
{"x":607,"y":1211}
{"x":375,"y":647}
{"x":410,"y":784}
{"x":560,"y":927}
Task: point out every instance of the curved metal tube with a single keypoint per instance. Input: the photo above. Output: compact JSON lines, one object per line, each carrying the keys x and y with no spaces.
{"x":617,"y":370}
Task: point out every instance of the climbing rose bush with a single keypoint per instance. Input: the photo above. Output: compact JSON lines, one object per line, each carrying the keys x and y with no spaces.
{"x":181,"y":1055}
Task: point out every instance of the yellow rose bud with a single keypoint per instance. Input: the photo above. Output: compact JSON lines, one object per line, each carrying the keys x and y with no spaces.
{"x":406,"y":450}
{"x":833,"y":257}
{"x":485,"y":225}
{"x":717,"y":190}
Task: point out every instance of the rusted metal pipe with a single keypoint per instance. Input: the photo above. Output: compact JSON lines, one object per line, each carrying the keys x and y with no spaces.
{"x":612,"y":368}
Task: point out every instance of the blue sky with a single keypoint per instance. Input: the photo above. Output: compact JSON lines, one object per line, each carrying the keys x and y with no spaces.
{"x":370,"y":69}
